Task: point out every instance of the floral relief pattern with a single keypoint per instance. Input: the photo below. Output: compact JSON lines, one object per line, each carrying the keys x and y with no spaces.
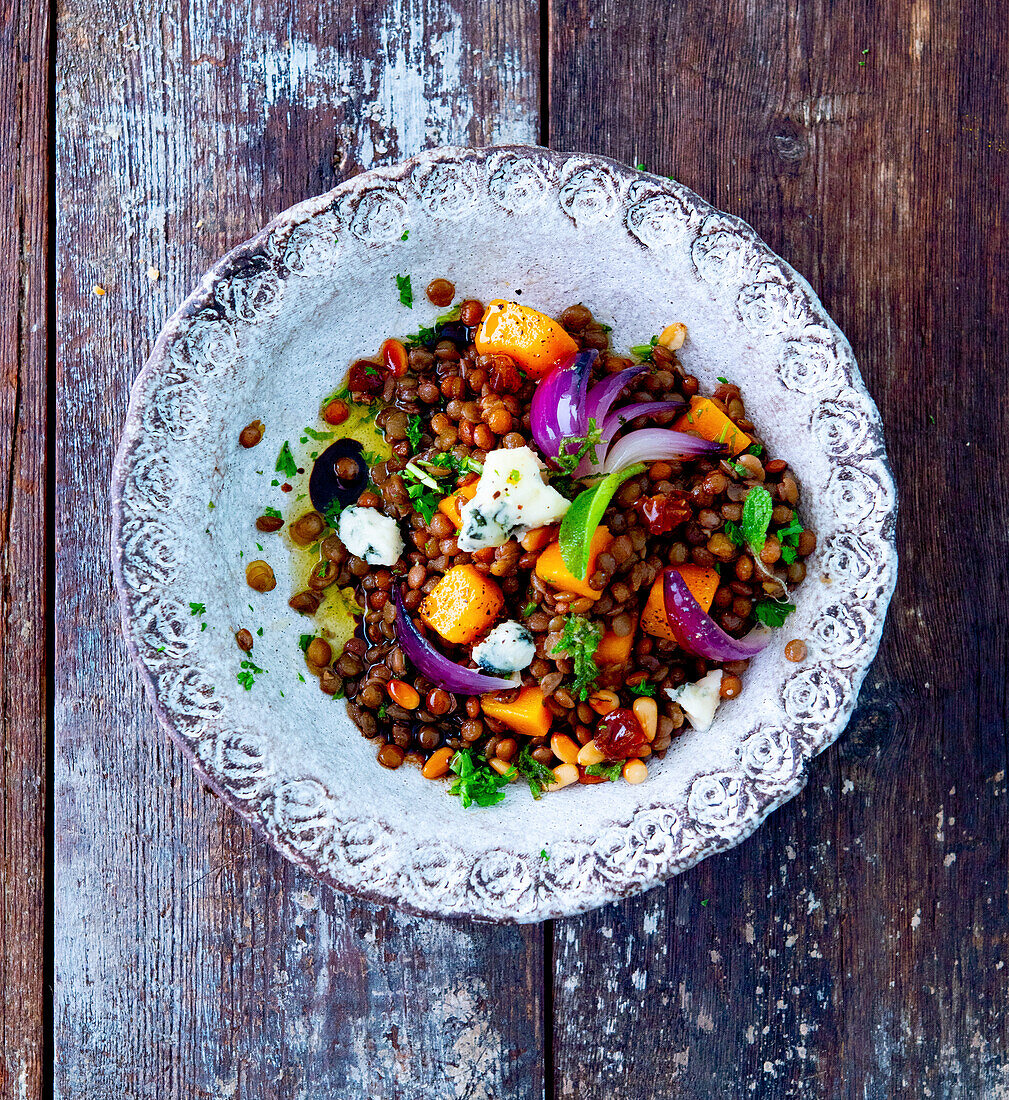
{"x":175,"y":409}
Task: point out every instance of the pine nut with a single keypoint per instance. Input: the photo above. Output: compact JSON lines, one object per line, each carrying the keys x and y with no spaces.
{"x":635,"y":771}
{"x":564,"y":776}
{"x":589,"y":754}
{"x":437,"y":764}
{"x":672,"y":336}
{"x":603,"y":702}
{"x":564,"y":748}
{"x":647,"y":713}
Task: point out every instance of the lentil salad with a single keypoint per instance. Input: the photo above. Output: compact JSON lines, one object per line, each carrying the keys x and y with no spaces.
{"x":551,"y":559}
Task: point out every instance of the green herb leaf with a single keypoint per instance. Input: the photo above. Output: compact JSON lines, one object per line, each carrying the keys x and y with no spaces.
{"x":771,"y":613}
{"x":757,"y":510}
{"x":789,"y":554}
{"x":273,"y":513}
{"x":449,"y":316}
{"x":789,"y":536}
{"x":406,"y":235}
{"x":421,"y":338}
{"x":644,"y":688}
{"x":644,"y":351}
{"x":332,"y":514}
{"x":304,"y":641}
{"x":383,"y":710}
{"x":529,"y":609}
{"x":543,"y":854}
{"x":319,"y":437}
{"x":476,"y":781}
{"x":414,"y":427}
{"x":754,"y":449}
{"x":260,"y":632}
{"x":579,"y":641}
{"x":574,"y":450}
{"x":584,"y":515}
{"x":612,"y":772}
{"x":405,"y":289}
{"x":734,"y":533}
{"x":724,"y":381}
{"x":285,"y":461}
{"x":537,"y":775}
{"x":247,"y":677}
{"x":197,"y":608}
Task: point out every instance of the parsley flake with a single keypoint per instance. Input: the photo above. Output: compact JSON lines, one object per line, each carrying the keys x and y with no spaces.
{"x":568,"y":459}
{"x":406,"y":235}
{"x":285,"y":461}
{"x":413,"y":431}
{"x":771,"y":613}
{"x":537,"y":775}
{"x":247,"y":677}
{"x":273,"y":513}
{"x":197,"y":608}
{"x":580,"y":640}
{"x":644,"y":688}
{"x":476,"y":782}
{"x":611,"y":772}
{"x":405,"y":288}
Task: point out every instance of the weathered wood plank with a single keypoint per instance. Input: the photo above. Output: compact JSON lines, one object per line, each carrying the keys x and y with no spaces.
{"x":855,"y":945}
{"x":24,"y":243}
{"x":190,"y":959}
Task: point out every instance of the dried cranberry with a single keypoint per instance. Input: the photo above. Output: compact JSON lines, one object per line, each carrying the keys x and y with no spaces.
{"x":366,"y":377}
{"x":619,"y":735}
{"x":664,"y":512}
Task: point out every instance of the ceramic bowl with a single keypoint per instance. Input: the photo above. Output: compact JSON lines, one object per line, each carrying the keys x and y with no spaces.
{"x":270,"y":330}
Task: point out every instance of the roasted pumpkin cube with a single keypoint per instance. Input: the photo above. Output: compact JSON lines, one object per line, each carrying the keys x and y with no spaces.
{"x":550,"y":566}
{"x":536,"y":342}
{"x":706,"y":419}
{"x":526,"y":713}
{"x":462,"y":605}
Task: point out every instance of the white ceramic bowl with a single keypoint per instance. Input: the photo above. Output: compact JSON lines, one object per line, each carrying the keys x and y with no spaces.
{"x":272,"y":327}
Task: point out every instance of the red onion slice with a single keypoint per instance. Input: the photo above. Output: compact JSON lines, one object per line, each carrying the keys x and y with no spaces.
{"x":695,"y":630}
{"x":557,"y":412}
{"x":602,"y":395}
{"x":436,"y":666}
{"x":655,"y":445}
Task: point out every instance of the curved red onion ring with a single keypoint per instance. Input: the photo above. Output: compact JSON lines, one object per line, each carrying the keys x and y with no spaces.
{"x":695,"y":630}
{"x":602,"y":395}
{"x":655,"y":445}
{"x":436,"y":666}
{"x":557,"y":412}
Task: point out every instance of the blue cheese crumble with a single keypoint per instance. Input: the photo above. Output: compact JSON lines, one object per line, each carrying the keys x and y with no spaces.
{"x":369,"y":534}
{"x":509,"y":647}
{"x":511,"y":498}
{"x":699,"y":701}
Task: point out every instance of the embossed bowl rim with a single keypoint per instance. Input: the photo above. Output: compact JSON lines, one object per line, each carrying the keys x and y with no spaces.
{"x":621,"y":862}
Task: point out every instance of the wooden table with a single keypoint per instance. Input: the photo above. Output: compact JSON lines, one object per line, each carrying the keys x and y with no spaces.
{"x":153,"y":947}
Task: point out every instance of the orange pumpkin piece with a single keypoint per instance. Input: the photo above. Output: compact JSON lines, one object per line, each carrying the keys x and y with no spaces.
{"x":614,"y":650}
{"x":550,"y":566}
{"x":462,"y":605}
{"x":706,"y":419}
{"x":452,"y":504}
{"x":535,"y":341}
{"x":525,"y":714}
{"x":702,"y":583}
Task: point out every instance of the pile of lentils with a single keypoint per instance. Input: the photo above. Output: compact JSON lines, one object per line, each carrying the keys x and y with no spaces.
{"x":674,"y":513}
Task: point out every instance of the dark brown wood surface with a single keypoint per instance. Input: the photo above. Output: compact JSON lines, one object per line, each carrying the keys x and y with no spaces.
{"x":855,"y":946}
{"x":24,"y":238}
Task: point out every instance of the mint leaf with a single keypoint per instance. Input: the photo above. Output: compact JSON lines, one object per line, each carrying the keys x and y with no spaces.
{"x":734,"y":533}
{"x":757,"y":511}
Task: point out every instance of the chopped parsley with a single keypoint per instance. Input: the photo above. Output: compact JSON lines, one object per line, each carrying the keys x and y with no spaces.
{"x":203,"y":626}
{"x":644,"y":688}
{"x":319,"y":437}
{"x":406,"y":235}
{"x":537,"y":775}
{"x":210,"y":505}
{"x":739,"y":469}
{"x":644,"y":351}
{"x":611,"y":772}
{"x":757,"y":509}
{"x":771,"y":613}
{"x":285,"y":461}
{"x":543,"y":854}
{"x":528,"y":609}
{"x":305,"y":641}
{"x":734,"y":533}
{"x":477,"y":782}
{"x":197,"y":608}
{"x":568,"y":459}
{"x":413,"y":431}
{"x":789,"y":539}
{"x":302,"y":678}
{"x":247,"y":677}
{"x":383,"y":710}
{"x":424,"y":501}
{"x":724,"y":381}
{"x":448,"y":461}
{"x":580,"y":640}
{"x":421,"y":338}
{"x":641,"y":167}
{"x":273,"y":513}
{"x":405,"y":288}
{"x":754,"y":449}
{"x":332,"y":513}
{"x":260,"y":632}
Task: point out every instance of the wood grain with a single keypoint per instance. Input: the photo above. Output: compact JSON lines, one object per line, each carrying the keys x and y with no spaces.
{"x":192,"y":961}
{"x":856,"y":945}
{"x":24,"y":243}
